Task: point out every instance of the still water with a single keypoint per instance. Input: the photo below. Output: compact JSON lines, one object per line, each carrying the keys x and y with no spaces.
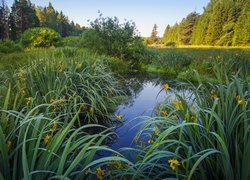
{"x":145,"y":94}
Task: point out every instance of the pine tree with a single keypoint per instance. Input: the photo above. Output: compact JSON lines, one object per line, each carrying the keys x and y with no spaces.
{"x":165,"y":35}
{"x":186,"y":28}
{"x":4,"y":20}
{"x":242,"y":27}
{"x":214,"y":31}
{"x":22,"y":17}
{"x":153,"y":38}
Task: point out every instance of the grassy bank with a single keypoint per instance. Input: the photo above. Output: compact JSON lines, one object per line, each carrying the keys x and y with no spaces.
{"x":56,"y":107}
{"x":181,"y":62}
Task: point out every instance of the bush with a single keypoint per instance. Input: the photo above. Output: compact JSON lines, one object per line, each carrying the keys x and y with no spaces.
{"x":8,"y":46}
{"x":108,"y":36}
{"x":70,"y":41}
{"x":40,"y":38}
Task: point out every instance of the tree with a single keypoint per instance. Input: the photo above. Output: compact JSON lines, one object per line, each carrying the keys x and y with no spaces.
{"x":22,"y":17}
{"x":165,"y":35}
{"x":242,"y":27}
{"x":109,"y":36}
{"x":172,"y":34}
{"x":154,"y":38}
{"x":186,"y":28}
{"x":4,"y":20}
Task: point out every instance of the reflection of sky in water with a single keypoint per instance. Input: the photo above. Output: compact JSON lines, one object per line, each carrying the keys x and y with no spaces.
{"x":146,"y":94}
{"x":143,"y":105}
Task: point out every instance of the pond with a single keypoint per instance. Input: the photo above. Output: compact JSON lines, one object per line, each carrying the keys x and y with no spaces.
{"x":145,"y":92}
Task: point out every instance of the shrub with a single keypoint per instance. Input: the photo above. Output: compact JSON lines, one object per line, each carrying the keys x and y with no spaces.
{"x":108,"y":36}
{"x":9,"y":46}
{"x":71,"y":41}
{"x":40,"y":38}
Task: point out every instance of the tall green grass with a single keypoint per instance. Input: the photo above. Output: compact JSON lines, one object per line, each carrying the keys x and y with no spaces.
{"x":35,"y":146}
{"x":68,"y":84}
{"x":207,"y":134}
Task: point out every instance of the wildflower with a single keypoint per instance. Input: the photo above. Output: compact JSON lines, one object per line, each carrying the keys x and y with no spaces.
{"x":29,"y":101}
{"x":46,"y":138}
{"x":23,"y":92}
{"x":51,"y":101}
{"x":157,"y":133}
{"x":174,"y":163}
{"x":100,"y":173}
{"x":78,"y":66}
{"x":240,"y":101}
{"x":193,"y":118}
{"x":83,"y":107}
{"x":119,"y":116}
{"x":166,"y":86}
{"x":118,"y":164}
{"x":54,"y":126}
{"x":164,"y":113}
{"x":55,"y":108}
{"x":150,"y":141}
{"x":237,"y":98}
{"x":91,"y":110}
{"x":156,"y":130}
{"x":214,"y":94}
{"x":136,"y":138}
{"x":9,"y":144}
{"x":88,"y":171}
{"x":178,"y":104}
{"x":62,"y":99}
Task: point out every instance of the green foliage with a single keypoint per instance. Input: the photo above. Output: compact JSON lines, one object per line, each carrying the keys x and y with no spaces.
{"x":8,"y":46}
{"x":172,"y":34}
{"x":22,"y":17}
{"x":70,"y":41}
{"x":153,"y":39}
{"x":40,"y":37}
{"x":186,"y":28}
{"x":242,"y":32}
{"x":108,"y":36}
{"x":223,"y":23}
{"x":33,"y":145}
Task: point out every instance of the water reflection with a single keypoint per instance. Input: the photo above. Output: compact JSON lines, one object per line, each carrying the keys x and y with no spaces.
{"x":145,"y":92}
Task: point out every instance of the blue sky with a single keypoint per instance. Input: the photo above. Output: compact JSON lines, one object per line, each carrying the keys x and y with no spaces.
{"x":145,"y":13}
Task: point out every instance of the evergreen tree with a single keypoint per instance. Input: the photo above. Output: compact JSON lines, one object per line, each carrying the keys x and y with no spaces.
{"x":4,"y":20}
{"x":164,"y":38}
{"x":186,"y":28}
{"x":22,"y":17}
{"x":214,"y":31}
{"x":153,"y":38}
{"x":242,"y":27}
{"x":172,"y":35}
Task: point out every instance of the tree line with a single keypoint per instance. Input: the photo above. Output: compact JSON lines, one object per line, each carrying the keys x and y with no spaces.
{"x":24,"y":15}
{"x":223,"y":23}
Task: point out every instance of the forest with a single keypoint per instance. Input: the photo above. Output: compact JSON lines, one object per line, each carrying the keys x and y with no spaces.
{"x":223,"y":23}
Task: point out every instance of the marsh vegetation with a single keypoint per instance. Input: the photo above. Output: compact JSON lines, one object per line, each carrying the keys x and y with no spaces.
{"x":65,"y":101}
